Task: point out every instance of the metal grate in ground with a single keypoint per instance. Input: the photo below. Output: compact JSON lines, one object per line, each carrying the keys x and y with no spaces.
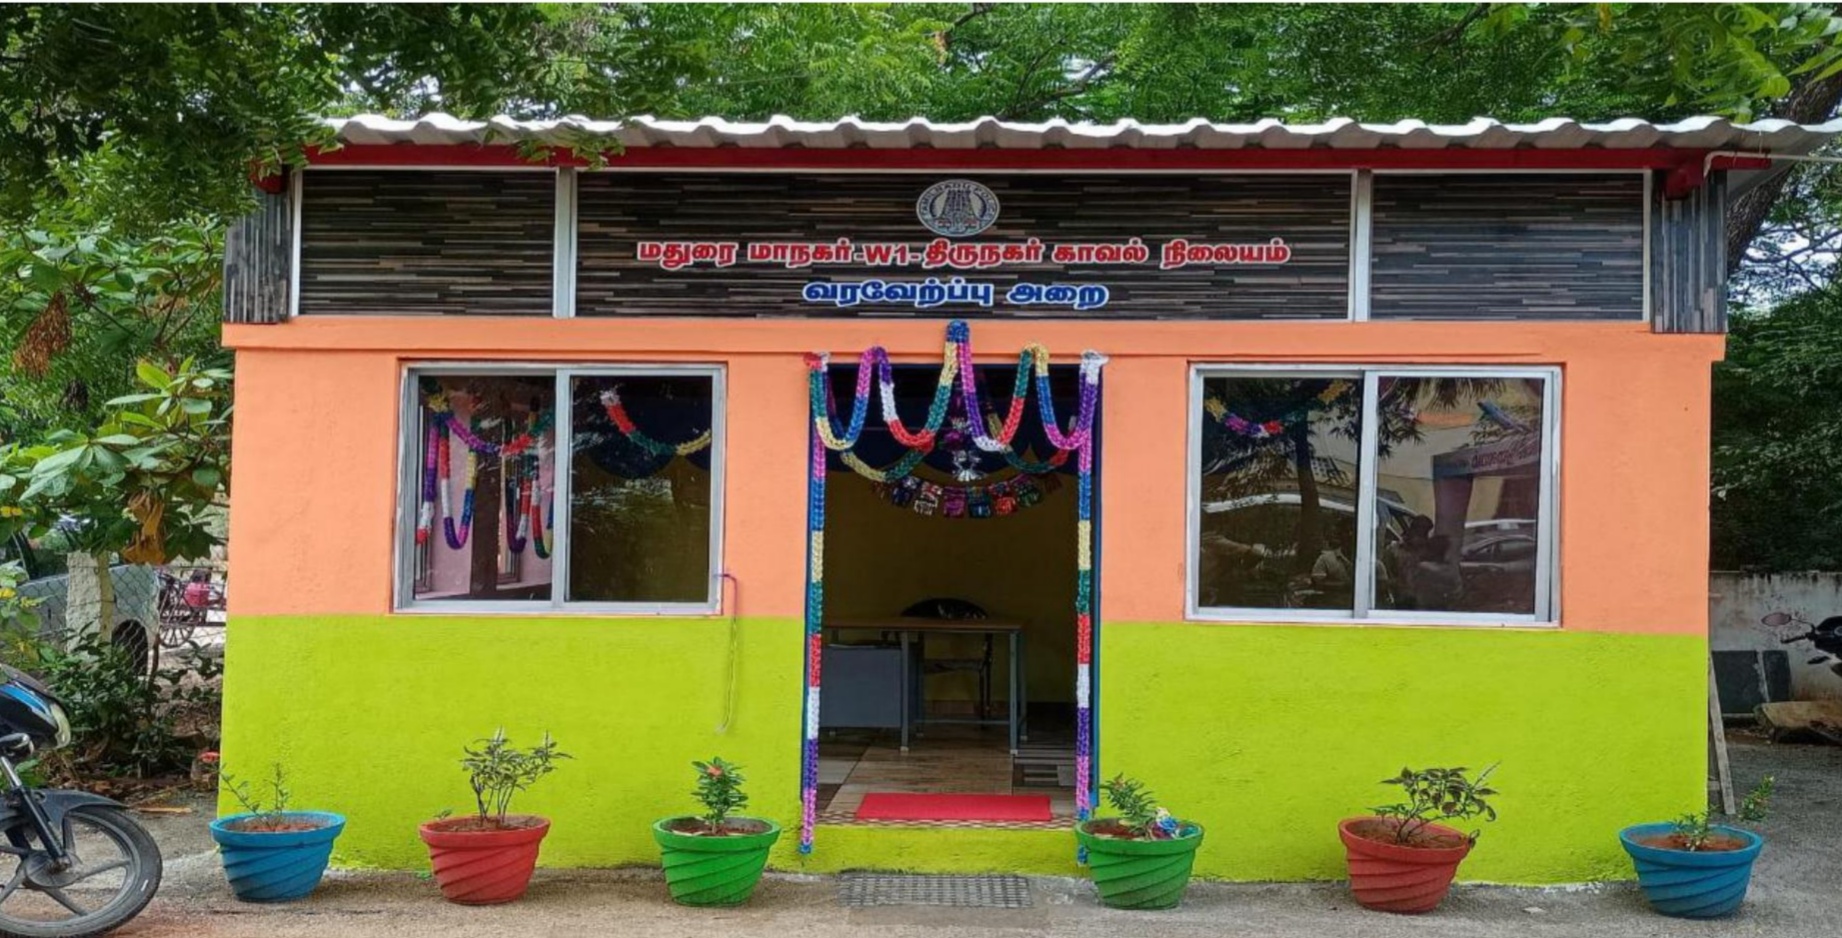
{"x":870,"y":890}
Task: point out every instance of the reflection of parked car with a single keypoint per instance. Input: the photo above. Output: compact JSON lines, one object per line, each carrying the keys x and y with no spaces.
{"x":136,"y":622}
{"x":1499,"y":569}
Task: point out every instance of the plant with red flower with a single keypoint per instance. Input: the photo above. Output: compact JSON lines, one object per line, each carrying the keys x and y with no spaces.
{"x":719,"y":788}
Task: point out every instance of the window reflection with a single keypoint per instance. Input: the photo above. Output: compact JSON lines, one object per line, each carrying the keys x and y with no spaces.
{"x":1458,"y":499}
{"x":484,"y":466}
{"x":640,"y":489}
{"x":1279,"y":476}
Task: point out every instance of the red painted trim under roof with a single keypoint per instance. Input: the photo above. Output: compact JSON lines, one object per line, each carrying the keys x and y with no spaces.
{"x":1116,"y":158}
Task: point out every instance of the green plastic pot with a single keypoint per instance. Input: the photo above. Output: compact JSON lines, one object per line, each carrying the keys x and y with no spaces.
{"x":1140,"y":874}
{"x":713,"y":871}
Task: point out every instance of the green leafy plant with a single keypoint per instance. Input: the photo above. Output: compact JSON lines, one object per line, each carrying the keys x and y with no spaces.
{"x":1139,"y":812}
{"x":1447,"y":795}
{"x":124,"y":716}
{"x":1695,"y":830}
{"x":498,"y":770}
{"x":270,"y":810}
{"x":17,"y":618}
{"x":719,"y":790}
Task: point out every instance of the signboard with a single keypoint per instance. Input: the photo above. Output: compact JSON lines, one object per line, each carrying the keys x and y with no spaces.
{"x":1136,"y":246}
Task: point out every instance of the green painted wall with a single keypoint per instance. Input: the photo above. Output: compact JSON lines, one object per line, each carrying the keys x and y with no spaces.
{"x":1266,"y":734}
{"x":1269,"y":735}
{"x":368,"y":714}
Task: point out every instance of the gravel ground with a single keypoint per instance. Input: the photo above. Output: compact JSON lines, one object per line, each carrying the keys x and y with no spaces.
{"x":1796,"y":893}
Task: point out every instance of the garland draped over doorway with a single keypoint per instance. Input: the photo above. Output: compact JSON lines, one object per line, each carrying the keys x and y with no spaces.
{"x":992,"y":436}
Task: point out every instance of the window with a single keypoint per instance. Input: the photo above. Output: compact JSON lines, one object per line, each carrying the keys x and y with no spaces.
{"x":1371,"y":493}
{"x":608,"y":503}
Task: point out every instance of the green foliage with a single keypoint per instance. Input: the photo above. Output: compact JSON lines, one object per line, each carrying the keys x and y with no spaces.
{"x":1777,"y":445}
{"x":1696,"y":828}
{"x":498,"y":770}
{"x":122,"y":713}
{"x":142,"y":482}
{"x":1138,"y":810}
{"x":16,"y":615}
{"x":80,"y":303}
{"x":719,"y":790}
{"x":1447,"y":795}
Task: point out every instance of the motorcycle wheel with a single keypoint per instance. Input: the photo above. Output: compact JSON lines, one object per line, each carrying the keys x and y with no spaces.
{"x":113,"y":873}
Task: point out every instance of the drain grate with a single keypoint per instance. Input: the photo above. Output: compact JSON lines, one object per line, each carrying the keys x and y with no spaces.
{"x":869,"y":890}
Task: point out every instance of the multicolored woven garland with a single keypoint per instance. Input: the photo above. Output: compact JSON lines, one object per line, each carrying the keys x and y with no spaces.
{"x":991,"y":436}
{"x":1265,"y":429}
{"x":610,"y":399}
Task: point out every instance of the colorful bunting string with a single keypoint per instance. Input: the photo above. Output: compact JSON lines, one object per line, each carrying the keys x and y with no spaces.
{"x":989,"y":435}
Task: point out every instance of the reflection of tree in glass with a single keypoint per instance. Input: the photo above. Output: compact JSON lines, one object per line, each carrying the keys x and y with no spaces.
{"x":1238,"y":465}
{"x":641,"y":533}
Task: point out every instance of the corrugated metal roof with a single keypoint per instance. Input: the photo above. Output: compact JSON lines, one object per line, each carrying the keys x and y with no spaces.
{"x":1699,"y":133}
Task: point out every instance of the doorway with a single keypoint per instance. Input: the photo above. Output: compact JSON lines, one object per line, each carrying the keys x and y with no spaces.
{"x":954,"y":686}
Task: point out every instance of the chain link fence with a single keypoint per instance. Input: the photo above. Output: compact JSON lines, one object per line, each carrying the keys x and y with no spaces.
{"x":157,"y":611}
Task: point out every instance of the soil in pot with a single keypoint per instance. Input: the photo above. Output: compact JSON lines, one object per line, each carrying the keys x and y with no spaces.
{"x":279,"y":824}
{"x":1389,"y":876}
{"x":484,"y":862}
{"x":696,"y":827}
{"x":1715,"y":844}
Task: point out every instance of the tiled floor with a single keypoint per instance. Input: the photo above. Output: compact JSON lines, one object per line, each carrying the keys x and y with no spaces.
{"x":948,"y":759}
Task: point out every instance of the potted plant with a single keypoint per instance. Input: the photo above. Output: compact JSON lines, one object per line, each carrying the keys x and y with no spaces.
{"x":714,"y":859}
{"x":487,"y":857}
{"x":1142,"y":858}
{"x":272,"y":854}
{"x":1399,"y":859}
{"x":1691,"y":868}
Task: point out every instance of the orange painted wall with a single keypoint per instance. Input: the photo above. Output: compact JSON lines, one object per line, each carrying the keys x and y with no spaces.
{"x":313,"y":503}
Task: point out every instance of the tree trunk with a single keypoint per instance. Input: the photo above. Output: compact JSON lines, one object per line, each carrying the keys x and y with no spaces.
{"x":1808,"y":103}
{"x":89,"y":600}
{"x":1310,"y":530}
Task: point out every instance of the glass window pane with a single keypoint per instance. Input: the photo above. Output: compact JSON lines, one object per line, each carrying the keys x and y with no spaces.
{"x":640,"y":490}
{"x":1278,"y":492}
{"x":1458,"y":494}
{"x":485,"y":447}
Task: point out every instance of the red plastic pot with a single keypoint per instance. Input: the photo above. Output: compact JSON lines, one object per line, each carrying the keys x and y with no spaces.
{"x":484,"y":867}
{"x":1390,"y":877}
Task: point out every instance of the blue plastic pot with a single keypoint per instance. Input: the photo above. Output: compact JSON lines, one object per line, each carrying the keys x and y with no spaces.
{"x":278,"y":866}
{"x":1692,"y":884}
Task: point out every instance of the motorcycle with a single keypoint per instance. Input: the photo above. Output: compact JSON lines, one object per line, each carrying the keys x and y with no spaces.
{"x":1824,"y":636}
{"x":84,"y":866}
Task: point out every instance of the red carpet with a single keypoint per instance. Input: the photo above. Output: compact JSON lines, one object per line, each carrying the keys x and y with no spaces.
{"x":893,"y":806}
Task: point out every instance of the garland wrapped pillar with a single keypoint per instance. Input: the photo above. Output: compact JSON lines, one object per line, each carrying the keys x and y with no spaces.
{"x":993,"y":436}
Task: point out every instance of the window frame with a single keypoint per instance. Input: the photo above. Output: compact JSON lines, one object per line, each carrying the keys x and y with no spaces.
{"x":409,"y":443}
{"x":1362,"y":612}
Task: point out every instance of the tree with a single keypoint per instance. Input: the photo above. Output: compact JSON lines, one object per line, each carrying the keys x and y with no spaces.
{"x":142,"y":484}
{"x":1777,"y":460}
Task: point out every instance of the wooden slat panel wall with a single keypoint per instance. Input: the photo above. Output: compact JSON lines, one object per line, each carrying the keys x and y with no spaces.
{"x":1688,"y":259}
{"x":1312,"y":214}
{"x":409,"y":242}
{"x":258,"y":250}
{"x":1562,"y":246}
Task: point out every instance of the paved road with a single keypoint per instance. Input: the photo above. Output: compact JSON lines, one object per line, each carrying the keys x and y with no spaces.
{"x":1797,"y":893}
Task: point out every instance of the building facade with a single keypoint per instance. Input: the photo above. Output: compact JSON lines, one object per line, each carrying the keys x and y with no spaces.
{"x":1395,"y":452}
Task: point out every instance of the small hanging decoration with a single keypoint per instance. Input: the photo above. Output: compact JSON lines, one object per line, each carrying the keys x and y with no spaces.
{"x":997,"y":500}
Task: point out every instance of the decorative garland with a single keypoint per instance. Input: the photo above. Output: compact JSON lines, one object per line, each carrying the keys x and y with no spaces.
{"x":521,"y":467}
{"x":997,"y":500}
{"x":1261,"y":430}
{"x":828,"y":435}
{"x":610,"y":399}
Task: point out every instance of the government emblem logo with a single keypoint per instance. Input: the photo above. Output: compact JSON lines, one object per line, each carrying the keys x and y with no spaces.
{"x":957,"y":208}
